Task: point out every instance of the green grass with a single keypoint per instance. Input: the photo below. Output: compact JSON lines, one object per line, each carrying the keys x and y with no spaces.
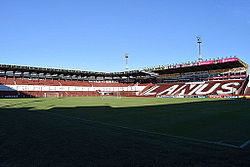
{"x":54,"y":131}
{"x":208,"y":119}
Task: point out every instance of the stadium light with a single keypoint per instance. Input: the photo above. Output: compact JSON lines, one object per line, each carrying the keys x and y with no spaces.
{"x":199,"y":42}
{"x":126,"y":61}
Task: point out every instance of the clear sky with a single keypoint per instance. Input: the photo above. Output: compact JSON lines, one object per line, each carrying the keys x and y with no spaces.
{"x":94,"y":34}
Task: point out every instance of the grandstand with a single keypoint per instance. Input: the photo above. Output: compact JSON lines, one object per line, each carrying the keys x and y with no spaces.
{"x":227,"y":77}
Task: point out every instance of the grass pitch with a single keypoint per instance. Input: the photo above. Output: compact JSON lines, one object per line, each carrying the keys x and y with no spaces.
{"x":92,"y":131}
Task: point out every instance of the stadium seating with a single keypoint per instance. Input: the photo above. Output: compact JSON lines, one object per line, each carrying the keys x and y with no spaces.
{"x":211,"y":78}
{"x":229,"y":87}
{"x":92,"y":88}
{"x":226,"y":87}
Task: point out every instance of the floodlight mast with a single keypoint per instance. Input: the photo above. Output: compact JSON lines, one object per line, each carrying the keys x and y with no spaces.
{"x":126,"y":60}
{"x":199,"y":42}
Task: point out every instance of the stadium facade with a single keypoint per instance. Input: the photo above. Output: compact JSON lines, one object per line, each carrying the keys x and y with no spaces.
{"x":227,"y":77}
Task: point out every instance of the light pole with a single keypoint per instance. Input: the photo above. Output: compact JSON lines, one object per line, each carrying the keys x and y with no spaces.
{"x":199,"y":42}
{"x":126,"y":61}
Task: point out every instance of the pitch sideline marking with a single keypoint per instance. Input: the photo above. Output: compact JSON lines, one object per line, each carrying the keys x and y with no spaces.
{"x":155,"y":133}
{"x":245,"y":144}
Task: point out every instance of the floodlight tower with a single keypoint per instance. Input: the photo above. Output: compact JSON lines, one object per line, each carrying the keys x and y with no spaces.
{"x":126,"y":60}
{"x":199,"y":42}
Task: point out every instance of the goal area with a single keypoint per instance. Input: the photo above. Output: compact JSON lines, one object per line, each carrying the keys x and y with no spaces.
{"x":114,"y":94}
{"x":51,"y":95}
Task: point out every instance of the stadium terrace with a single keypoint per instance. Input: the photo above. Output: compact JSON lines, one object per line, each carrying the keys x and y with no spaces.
{"x":226,"y":77}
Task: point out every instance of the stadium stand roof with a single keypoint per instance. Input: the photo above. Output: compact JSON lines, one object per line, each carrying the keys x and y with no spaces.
{"x":223,"y":63}
{"x":52,"y":71}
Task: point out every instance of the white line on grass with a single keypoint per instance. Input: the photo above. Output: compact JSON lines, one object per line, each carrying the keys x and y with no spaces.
{"x":155,"y":133}
{"x":245,"y":144}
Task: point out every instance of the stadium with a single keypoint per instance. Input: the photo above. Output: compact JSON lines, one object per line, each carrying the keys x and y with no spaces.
{"x":197,"y":111}
{"x":93,"y":83}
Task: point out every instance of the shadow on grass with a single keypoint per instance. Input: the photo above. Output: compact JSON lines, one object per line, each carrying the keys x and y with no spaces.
{"x":31,"y":137}
{"x":221,"y":121}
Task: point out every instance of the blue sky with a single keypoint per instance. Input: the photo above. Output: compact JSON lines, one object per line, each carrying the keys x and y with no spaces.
{"x":94,"y":34}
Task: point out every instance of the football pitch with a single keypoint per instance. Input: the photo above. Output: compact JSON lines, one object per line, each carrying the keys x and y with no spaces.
{"x":131,"y":131}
